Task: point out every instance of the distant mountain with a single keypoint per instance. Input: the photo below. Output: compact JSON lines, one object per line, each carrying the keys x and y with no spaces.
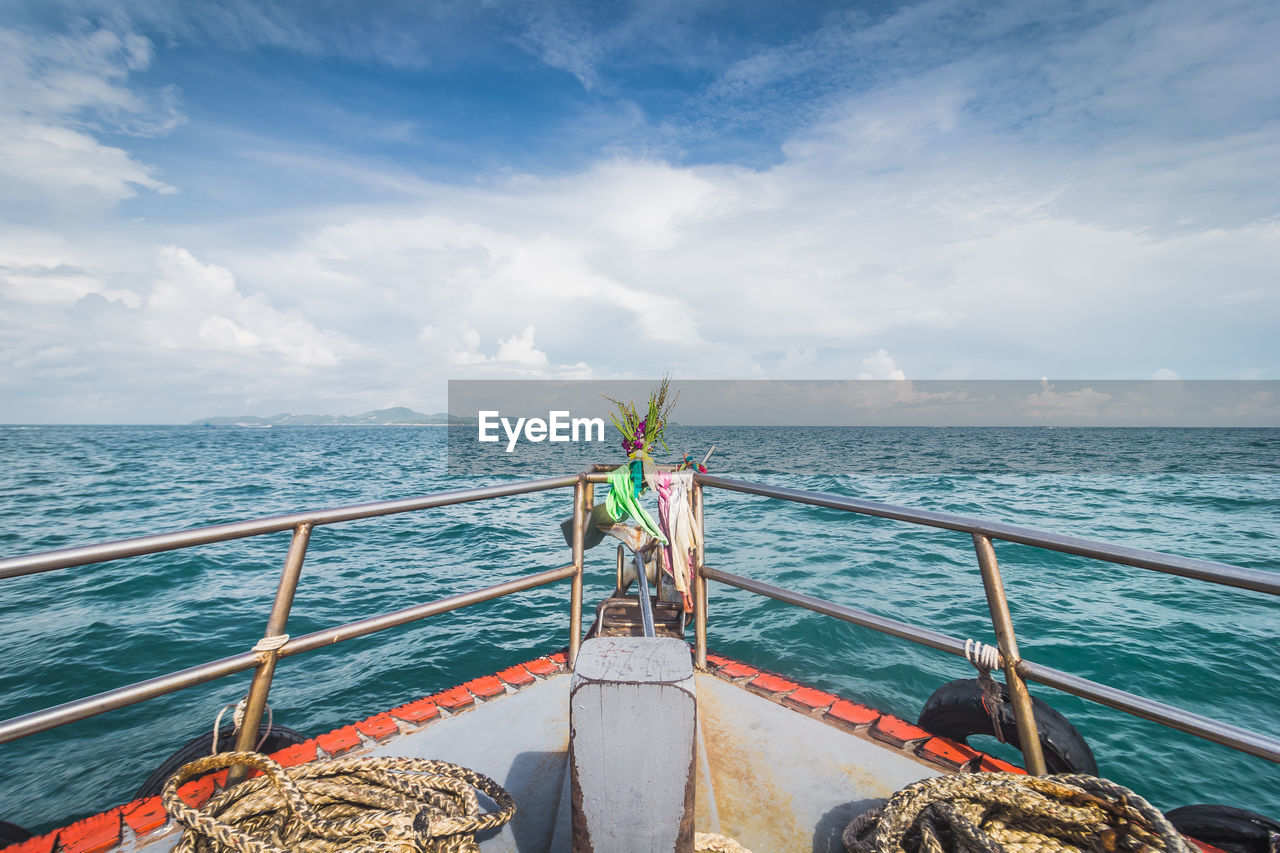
{"x":395,"y":416}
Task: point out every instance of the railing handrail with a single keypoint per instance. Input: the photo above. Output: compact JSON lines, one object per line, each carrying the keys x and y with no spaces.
{"x":278,"y":644}
{"x":1017,"y":670}
{"x":301,"y":523}
{"x":84,"y":555}
{"x":1235,"y":737}
{"x":1206,"y":570}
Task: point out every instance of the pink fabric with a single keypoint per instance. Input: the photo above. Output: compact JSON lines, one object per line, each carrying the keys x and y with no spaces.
{"x":666,"y":555}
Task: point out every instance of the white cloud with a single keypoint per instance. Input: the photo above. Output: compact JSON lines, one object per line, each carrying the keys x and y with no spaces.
{"x":1165,"y":373}
{"x":197,"y":306}
{"x":56,"y":92}
{"x":960,"y":211}
{"x":880,"y":366}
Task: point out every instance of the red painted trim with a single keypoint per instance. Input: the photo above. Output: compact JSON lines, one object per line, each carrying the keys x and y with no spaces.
{"x":848,"y":714}
{"x":486,"y":687}
{"x":733,"y":669}
{"x":516,"y":676}
{"x":808,"y":699}
{"x":541,"y":666}
{"x":416,"y":712}
{"x":454,"y":699}
{"x":197,"y":792}
{"x":299,"y":753}
{"x":143,"y":816}
{"x":952,"y":755}
{"x":378,"y":726}
{"x":771,"y":684}
{"x":339,"y":740}
{"x":897,"y":731}
{"x":93,"y":834}
{"x":991,"y":764}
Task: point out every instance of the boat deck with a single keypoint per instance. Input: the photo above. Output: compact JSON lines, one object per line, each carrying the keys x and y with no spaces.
{"x":780,"y":767}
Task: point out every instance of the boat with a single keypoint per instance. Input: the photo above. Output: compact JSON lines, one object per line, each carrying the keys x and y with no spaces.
{"x":634,"y":734}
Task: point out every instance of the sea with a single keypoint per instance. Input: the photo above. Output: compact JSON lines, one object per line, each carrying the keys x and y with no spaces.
{"x":1207,"y":493}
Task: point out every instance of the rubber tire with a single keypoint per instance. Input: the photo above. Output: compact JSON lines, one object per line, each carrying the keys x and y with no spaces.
{"x":200,"y":746}
{"x":955,"y":711}
{"x":1231,"y":829}
{"x":11,"y":833}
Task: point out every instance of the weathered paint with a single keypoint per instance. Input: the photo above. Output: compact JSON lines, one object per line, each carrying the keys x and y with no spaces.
{"x":784,"y":781}
{"x":633,"y":710}
{"x":750,"y":764}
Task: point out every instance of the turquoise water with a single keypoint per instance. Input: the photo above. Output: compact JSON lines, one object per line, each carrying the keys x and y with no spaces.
{"x":1213,"y":494}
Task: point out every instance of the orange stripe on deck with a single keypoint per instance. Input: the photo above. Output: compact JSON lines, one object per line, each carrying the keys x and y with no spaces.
{"x":516,"y":676}
{"x":416,"y":712}
{"x":454,"y":699}
{"x":851,"y":715}
{"x":299,"y":753}
{"x":486,"y":687}
{"x":378,"y":726}
{"x":94,"y":834}
{"x":339,"y":741}
{"x":808,"y":699}
{"x":143,"y":816}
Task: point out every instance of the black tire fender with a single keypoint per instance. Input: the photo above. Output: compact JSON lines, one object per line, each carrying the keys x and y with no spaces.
{"x":11,"y":833}
{"x":955,"y":711}
{"x":1226,"y":827}
{"x":278,"y":738}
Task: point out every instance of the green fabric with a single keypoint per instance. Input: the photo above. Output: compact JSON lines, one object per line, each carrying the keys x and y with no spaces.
{"x":623,"y":502}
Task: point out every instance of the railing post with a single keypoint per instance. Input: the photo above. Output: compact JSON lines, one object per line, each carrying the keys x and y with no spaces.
{"x":1002,"y":622}
{"x":268,"y":648}
{"x":580,"y":510}
{"x":699,"y":582}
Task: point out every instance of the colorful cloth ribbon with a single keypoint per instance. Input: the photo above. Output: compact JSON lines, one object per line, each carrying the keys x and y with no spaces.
{"x":676,"y":514}
{"x":624,"y":499}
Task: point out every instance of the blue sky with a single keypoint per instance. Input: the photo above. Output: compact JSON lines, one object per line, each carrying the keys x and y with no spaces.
{"x":251,"y":207}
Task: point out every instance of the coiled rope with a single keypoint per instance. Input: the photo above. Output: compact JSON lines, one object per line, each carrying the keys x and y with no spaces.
{"x":355,"y":805}
{"x":710,"y":842}
{"x":1012,"y":813}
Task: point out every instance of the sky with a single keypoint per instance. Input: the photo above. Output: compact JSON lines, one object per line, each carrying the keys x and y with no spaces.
{"x":250,"y":207}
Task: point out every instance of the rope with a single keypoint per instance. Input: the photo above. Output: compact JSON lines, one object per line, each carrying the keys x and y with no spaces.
{"x":709,"y":842}
{"x":984,"y":659}
{"x":237,"y":719}
{"x":1012,"y":813}
{"x":354,"y":805}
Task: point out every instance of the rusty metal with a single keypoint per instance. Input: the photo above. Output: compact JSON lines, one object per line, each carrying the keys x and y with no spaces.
{"x":575,"y":594}
{"x":277,"y":622}
{"x":619,"y":586}
{"x":1023,"y":713}
{"x":699,"y":583}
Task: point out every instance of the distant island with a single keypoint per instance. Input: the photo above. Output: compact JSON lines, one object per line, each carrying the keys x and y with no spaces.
{"x":395,"y":416}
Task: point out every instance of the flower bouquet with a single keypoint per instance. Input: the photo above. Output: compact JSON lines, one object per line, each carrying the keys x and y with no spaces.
{"x":640,"y":432}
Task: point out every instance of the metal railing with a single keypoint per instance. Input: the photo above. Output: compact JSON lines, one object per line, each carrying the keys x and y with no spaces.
{"x":1017,"y":670}
{"x":276,"y":643}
